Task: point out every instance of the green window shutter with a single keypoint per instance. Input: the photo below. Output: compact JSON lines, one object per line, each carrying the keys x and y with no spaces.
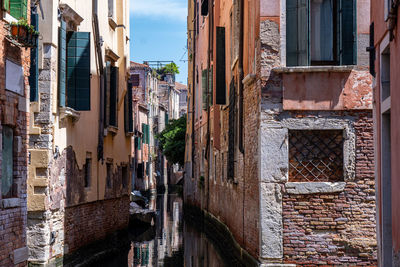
{"x":113,"y":95}
{"x":220,"y":68}
{"x":107,"y":72}
{"x":348,"y":32}
{"x":78,"y":70}
{"x":34,"y":68}
{"x":297,"y":33}
{"x":18,"y":8}
{"x":204,"y":87}
{"x":139,"y":146}
{"x":166,"y":119}
{"x":147,"y":134}
{"x":128,"y":110}
{"x":210,"y":86}
{"x":147,"y":168}
{"x":6,"y":5}
{"x":62,"y":62}
{"x":7,"y":163}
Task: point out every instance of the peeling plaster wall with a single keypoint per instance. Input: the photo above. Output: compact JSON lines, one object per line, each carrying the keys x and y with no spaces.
{"x":304,"y":99}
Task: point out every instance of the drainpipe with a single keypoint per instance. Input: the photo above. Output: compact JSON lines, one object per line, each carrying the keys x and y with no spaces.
{"x":241,"y":74}
{"x":193,"y":89}
{"x":100,"y":146}
{"x":209,"y":49}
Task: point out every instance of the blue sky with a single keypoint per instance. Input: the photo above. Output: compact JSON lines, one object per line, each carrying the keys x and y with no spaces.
{"x":158,"y":32}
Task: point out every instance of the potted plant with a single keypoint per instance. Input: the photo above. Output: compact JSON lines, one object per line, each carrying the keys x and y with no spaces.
{"x":23,"y":30}
{"x":14,"y":29}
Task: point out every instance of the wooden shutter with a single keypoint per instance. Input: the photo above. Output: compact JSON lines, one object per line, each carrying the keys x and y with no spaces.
{"x":220,"y":81}
{"x":144,"y":132}
{"x":62,"y":62}
{"x":34,"y":68}
{"x":107,"y":73}
{"x":204,"y":7}
{"x":147,"y":168}
{"x":166,"y":119}
{"x":78,"y":70}
{"x":231,"y":131}
{"x":371,"y":49}
{"x":297,"y":33}
{"x":204,"y":87}
{"x":128,"y":110}
{"x":147,"y":134}
{"x":6,"y":5}
{"x":348,"y":32}
{"x":113,"y":96}
{"x":210,"y":86}
{"x":18,"y":8}
{"x":7,"y":163}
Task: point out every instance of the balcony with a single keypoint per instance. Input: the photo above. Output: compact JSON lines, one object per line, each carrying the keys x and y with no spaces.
{"x":326,"y":88}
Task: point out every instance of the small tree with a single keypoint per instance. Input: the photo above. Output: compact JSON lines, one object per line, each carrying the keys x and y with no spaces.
{"x":170,"y":68}
{"x":172,"y":141}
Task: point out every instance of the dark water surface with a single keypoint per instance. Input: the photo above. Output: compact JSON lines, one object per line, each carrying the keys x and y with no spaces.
{"x":171,"y":242}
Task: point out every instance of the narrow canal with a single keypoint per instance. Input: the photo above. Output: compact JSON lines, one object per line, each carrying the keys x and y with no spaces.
{"x":172,"y":241}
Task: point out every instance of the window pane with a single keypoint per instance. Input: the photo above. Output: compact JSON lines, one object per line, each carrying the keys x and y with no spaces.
{"x":7,"y":162}
{"x":322,"y":30}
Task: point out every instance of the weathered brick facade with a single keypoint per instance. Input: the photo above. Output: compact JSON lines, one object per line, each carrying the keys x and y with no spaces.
{"x":14,"y":114}
{"x":97,"y":220}
{"x":336,"y":228}
{"x":277,"y":218}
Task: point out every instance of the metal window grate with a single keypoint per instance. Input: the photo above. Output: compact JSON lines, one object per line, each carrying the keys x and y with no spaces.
{"x":315,"y":155}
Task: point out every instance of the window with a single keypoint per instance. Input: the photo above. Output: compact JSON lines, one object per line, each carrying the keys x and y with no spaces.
{"x":320,"y":32}
{"x":316,"y":155}
{"x":7,"y":163}
{"x":88,"y":171}
{"x":385,"y":74}
{"x":140,"y":170}
{"x":34,"y":68}
{"x":16,"y":8}
{"x":128,"y":110}
{"x":204,"y":7}
{"x":111,"y":9}
{"x":231,"y":130}
{"x":111,"y":95}
{"x":74,"y":68}
{"x":220,"y":69}
{"x":135,"y":80}
{"x":146,"y":133}
{"x":125,"y":175}
{"x":109,"y":174}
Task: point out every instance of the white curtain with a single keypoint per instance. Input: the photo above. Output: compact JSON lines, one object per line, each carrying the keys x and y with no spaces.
{"x":322,"y":30}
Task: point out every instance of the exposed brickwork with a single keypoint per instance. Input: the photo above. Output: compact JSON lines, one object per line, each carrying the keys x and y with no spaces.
{"x":337,"y":228}
{"x":13,"y":113}
{"x":93,"y":221}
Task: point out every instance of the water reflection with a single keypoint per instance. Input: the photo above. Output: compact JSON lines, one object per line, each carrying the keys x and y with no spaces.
{"x":170,"y":242}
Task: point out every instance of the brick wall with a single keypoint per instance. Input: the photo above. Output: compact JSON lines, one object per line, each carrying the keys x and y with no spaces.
{"x":13,"y":112}
{"x":86,"y":223}
{"x":336,"y":228}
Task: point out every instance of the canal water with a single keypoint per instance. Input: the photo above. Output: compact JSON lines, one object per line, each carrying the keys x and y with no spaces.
{"x":172,"y":241}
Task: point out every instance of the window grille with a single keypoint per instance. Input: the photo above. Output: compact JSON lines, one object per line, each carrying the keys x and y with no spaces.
{"x":315,"y":155}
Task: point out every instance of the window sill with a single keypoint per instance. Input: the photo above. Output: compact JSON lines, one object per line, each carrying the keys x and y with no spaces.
{"x":66,"y":112}
{"x":111,"y":129}
{"x":9,"y":203}
{"x":301,"y":69}
{"x":8,"y":18}
{"x":305,"y":188}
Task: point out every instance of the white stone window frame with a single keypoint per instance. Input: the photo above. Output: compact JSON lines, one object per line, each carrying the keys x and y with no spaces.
{"x":275,"y":153}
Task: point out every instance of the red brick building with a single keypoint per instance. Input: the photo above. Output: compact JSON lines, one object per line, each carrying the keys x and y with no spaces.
{"x":385,"y":53}
{"x":14,"y":101}
{"x":280,"y":133}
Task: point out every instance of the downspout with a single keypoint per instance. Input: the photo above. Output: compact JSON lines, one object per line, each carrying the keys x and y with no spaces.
{"x":209,"y":49}
{"x":100,"y":146}
{"x":241,"y":74}
{"x":193,"y":88}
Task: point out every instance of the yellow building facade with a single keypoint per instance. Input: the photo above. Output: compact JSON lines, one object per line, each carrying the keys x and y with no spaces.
{"x":80,"y":128}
